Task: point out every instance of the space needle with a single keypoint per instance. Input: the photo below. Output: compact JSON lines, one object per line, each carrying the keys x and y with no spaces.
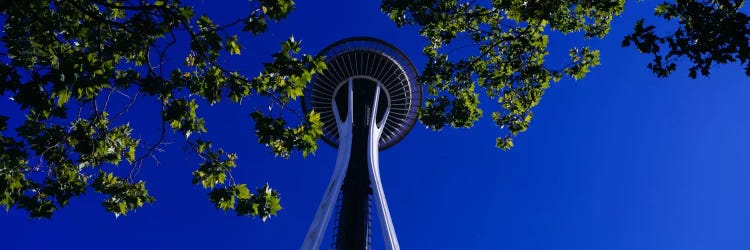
{"x":368,"y":101}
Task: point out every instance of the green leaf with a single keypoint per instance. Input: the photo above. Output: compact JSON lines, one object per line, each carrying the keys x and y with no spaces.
{"x":241,"y":191}
{"x":63,"y":96}
{"x":232,"y":46}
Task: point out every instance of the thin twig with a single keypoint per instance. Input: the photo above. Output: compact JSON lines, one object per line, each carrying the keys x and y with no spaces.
{"x":127,"y":106}
{"x":155,"y":146}
{"x":106,"y":101}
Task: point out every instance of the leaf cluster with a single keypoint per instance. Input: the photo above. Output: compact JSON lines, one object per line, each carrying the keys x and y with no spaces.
{"x":226,"y":194}
{"x":75,"y":67}
{"x":708,"y":33}
{"x":507,"y":43}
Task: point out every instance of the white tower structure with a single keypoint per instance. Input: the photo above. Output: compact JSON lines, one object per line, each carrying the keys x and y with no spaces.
{"x":368,"y":100}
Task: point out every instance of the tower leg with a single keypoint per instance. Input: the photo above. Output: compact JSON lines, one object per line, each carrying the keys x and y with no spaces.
{"x":386,"y":224}
{"x":317,"y":229}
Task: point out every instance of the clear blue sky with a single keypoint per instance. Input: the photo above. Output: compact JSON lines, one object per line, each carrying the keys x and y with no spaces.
{"x":618,"y":160}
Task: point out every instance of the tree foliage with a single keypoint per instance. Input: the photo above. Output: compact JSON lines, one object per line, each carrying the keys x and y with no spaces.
{"x":505,"y":43}
{"x":707,"y":33}
{"x":65,"y":61}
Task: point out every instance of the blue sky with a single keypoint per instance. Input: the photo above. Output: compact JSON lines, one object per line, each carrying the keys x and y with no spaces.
{"x":618,"y":160}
